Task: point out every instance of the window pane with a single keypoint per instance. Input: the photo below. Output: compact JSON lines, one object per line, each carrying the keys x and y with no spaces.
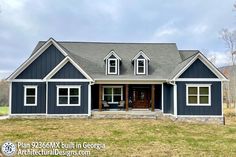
{"x":117,"y":91}
{"x":192,"y":99}
{"x":63,"y":91}
{"x":140,"y":69}
{"x":112,"y":63}
{"x":63,"y":100}
{"x":192,"y":90}
{"x":107,"y":90}
{"x":204,"y":90}
{"x":117,"y":98}
{"x":141,"y":95}
{"x":30,"y":91}
{"x":204,"y":100}
{"x":108,"y":98}
{"x":30,"y":100}
{"x":141,"y":63}
{"x":74,"y":100}
{"x":112,"y":69}
{"x":74,"y":91}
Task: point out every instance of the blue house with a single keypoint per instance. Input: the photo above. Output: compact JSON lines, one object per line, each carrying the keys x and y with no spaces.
{"x":75,"y":78}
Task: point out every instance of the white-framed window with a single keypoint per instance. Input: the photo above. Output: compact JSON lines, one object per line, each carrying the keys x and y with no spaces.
{"x":198,"y":94}
{"x":30,"y":95}
{"x":113,"y":94}
{"x":141,"y":66}
{"x":68,"y":95}
{"x":112,"y":66}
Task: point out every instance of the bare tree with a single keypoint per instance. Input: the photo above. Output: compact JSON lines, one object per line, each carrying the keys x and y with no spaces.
{"x":229,"y":37}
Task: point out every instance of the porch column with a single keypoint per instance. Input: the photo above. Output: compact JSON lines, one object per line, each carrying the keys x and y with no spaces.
{"x":126,"y":97}
{"x":100,"y":97}
{"x":153,"y":97}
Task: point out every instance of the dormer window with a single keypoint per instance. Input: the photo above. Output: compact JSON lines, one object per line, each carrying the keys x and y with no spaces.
{"x":112,"y":66}
{"x":112,"y":61}
{"x":141,"y":66}
{"x":141,"y":62}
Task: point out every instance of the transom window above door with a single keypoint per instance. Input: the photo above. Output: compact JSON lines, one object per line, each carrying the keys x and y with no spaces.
{"x":68,"y":95}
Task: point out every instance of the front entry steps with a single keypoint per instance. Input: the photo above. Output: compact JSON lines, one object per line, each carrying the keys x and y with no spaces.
{"x":131,"y":114}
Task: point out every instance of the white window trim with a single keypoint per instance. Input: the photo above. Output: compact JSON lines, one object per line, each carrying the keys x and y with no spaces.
{"x":144,"y":66}
{"x":121,"y":87}
{"x":108,"y":62}
{"x":68,"y":87}
{"x":198,"y":94}
{"x":36,"y":94}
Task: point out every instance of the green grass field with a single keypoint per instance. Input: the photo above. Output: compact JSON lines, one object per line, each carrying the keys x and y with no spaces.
{"x":129,"y":137}
{"x":3,"y":110}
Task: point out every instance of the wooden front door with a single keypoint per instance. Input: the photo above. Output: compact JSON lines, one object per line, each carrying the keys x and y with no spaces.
{"x":140,"y":98}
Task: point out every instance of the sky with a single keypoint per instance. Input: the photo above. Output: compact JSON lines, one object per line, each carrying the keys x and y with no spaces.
{"x":189,"y":24}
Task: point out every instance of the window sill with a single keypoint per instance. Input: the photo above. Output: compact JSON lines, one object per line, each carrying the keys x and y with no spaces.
{"x":30,"y":104}
{"x":198,"y":104}
{"x":64,"y":105}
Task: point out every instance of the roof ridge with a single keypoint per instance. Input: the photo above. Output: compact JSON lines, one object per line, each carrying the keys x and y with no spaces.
{"x":108,"y":42}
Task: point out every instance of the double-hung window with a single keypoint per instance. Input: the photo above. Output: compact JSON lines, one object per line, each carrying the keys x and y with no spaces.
{"x":30,"y":95}
{"x":68,"y":95}
{"x":112,"y":94}
{"x":112,"y":66}
{"x":140,"y":66}
{"x":198,"y":95}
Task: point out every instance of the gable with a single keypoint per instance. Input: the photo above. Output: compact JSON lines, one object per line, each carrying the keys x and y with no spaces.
{"x":112,"y":56}
{"x":141,"y":57}
{"x":69,"y":71}
{"x":42,"y":65}
{"x":198,"y":70}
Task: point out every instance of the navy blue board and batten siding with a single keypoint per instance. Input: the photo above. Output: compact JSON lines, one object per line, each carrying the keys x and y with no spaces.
{"x":38,"y":69}
{"x":18,"y":98}
{"x":68,"y":71}
{"x":168,"y":99}
{"x":42,"y":65}
{"x":52,"y":99}
{"x":216,"y":100}
{"x":199,"y":70}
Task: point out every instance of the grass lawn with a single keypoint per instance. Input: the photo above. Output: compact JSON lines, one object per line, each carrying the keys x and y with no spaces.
{"x":3,"y":110}
{"x":129,"y":137}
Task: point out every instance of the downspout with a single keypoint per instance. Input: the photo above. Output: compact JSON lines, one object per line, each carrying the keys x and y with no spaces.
{"x":175,"y":96}
{"x":46,"y":97}
{"x":89,"y":98}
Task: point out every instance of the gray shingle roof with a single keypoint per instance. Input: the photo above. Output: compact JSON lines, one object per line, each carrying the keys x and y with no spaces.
{"x":165,"y":58}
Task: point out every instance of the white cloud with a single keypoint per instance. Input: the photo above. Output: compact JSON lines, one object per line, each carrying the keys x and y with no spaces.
{"x":199,"y":29}
{"x":165,"y":32}
{"x":219,"y":58}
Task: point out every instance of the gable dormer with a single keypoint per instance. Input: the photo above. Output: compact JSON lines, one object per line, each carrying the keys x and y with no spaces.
{"x":112,"y":61}
{"x":141,"y":63}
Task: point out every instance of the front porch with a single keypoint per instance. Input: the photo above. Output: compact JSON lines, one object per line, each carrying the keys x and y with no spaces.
{"x":144,"y":97}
